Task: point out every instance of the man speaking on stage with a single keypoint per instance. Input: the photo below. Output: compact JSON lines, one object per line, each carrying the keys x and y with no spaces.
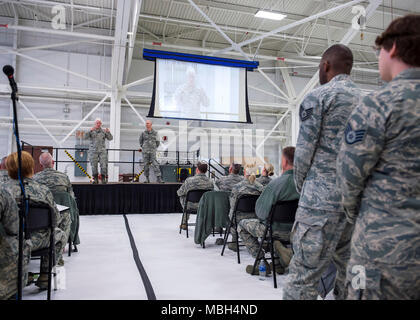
{"x":97,"y":150}
{"x":149,"y":142}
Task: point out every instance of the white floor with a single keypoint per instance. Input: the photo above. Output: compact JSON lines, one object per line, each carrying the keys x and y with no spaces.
{"x":104,"y":267}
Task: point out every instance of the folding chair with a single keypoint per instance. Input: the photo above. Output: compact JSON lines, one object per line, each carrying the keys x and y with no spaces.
{"x":244,"y":203}
{"x":40,"y":217}
{"x":281,"y":212}
{"x":193,"y":196}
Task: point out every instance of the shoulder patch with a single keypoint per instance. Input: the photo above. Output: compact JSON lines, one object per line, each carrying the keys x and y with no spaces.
{"x":353,"y":136}
{"x":305,"y":113}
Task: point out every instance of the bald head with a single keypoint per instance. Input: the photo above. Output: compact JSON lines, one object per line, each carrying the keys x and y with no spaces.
{"x":337,"y":59}
{"x":3,"y":163}
{"x":46,"y":160}
{"x":149,"y":125}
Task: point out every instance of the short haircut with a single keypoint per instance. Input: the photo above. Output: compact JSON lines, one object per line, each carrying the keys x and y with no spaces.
{"x":289,"y":154}
{"x":202,"y":167}
{"x":236,"y":168}
{"x":405,"y":33}
{"x":340,"y":58}
{"x":12,"y":165}
{"x":46,"y":160}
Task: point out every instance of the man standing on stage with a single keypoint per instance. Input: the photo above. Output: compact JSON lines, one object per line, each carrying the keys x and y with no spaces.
{"x":97,"y":150}
{"x":149,"y":142}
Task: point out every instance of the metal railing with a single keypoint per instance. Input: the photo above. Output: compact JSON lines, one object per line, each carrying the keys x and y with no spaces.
{"x":221,"y":172}
{"x":178,"y":158}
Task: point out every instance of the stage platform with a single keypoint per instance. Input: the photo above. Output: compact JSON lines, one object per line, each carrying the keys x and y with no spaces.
{"x":126,"y":198}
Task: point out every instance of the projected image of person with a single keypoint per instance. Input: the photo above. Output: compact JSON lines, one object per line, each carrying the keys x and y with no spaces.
{"x":189,"y":97}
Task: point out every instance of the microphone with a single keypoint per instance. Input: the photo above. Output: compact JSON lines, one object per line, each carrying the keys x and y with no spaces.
{"x":8,"y":71}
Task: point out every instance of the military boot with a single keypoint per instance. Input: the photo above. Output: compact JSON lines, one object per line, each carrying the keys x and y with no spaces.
{"x":233,"y":246}
{"x":159,"y":179}
{"x":104,"y":179}
{"x":285,"y":254}
{"x":95,"y":179}
{"x":42,"y":281}
{"x":147,"y":179}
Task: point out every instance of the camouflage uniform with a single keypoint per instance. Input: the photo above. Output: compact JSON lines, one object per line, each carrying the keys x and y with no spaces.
{"x":4,"y":177}
{"x":149,"y":142}
{"x":57,"y":181}
{"x":280,"y":189}
{"x":199,"y":181}
{"x":227,"y":183}
{"x":9,"y":246}
{"x":320,"y":232}
{"x":378,"y":174}
{"x":264,"y":180}
{"x":41,"y":239}
{"x":239,"y":189}
{"x":189,"y":100}
{"x":97,"y":150}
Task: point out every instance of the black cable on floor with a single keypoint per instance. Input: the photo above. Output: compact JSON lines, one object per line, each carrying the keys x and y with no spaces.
{"x":147,"y":285}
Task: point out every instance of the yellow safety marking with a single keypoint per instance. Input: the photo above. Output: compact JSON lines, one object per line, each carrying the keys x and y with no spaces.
{"x":188,"y":169}
{"x":80,"y":167}
{"x":137,"y":176}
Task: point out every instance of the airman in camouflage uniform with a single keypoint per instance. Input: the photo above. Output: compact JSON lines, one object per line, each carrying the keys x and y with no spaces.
{"x":200,"y":181}
{"x":280,"y":189}
{"x":378,"y":173}
{"x":250,"y":186}
{"x":4,"y":177}
{"x":263,"y":180}
{"x":41,"y":239}
{"x":267,"y":172}
{"x":56,"y":181}
{"x":149,"y":142}
{"x":226,"y":183}
{"x":9,"y":246}
{"x":97,"y":150}
{"x":320,"y":232}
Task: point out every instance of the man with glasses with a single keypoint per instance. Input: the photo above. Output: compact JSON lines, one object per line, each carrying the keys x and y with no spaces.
{"x":378,"y":173}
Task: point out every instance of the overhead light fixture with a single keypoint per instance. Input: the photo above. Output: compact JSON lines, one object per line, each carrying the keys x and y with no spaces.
{"x":270,"y":15}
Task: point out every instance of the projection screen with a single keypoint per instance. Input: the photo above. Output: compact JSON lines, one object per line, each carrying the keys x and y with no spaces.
{"x":199,"y":91}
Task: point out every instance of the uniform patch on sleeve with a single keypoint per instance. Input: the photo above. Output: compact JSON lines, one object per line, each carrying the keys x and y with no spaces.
{"x":353,"y":136}
{"x":305,"y":113}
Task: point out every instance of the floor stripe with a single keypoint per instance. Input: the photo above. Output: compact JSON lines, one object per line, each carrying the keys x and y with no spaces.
{"x":147,"y":285}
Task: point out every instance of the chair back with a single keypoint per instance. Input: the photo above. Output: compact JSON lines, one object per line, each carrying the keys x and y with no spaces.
{"x":195,"y":195}
{"x":284,"y":211}
{"x":40,"y":217}
{"x":246,"y":203}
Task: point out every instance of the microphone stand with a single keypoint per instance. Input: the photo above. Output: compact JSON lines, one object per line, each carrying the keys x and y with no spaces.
{"x":22,"y":213}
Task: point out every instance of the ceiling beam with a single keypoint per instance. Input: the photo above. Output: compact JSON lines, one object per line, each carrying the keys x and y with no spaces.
{"x":293,"y":24}
{"x":132,"y":35}
{"x":60,"y":32}
{"x":346,"y":40}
